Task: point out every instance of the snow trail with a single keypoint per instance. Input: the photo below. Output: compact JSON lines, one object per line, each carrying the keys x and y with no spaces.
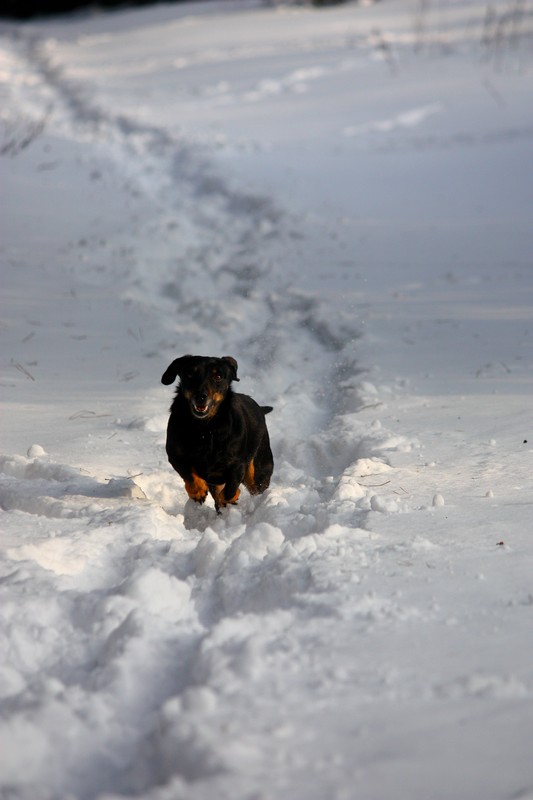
{"x":156,"y":601}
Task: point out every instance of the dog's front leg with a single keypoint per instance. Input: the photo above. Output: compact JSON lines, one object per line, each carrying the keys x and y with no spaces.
{"x":195,"y":486}
{"x":227,"y":493}
{"x":219,"y":496}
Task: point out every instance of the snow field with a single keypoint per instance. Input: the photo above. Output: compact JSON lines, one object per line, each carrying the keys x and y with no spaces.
{"x":186,"y":181}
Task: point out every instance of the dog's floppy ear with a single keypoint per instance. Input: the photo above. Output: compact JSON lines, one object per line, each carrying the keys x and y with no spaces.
{"x":234,"y":366}
{"x":175,"y":369}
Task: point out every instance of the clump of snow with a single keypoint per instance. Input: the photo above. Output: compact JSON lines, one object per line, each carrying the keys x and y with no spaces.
{"x":36,"y":451}
{"x":158,"y":593}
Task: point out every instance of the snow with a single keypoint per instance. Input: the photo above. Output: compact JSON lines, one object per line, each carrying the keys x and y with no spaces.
{"x":340,"y":199}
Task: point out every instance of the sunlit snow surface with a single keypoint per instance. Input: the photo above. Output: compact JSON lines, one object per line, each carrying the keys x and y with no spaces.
{"x":341,"y":199}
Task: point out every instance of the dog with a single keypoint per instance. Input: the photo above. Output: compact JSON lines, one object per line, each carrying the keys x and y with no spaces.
{"x":216,"y":439}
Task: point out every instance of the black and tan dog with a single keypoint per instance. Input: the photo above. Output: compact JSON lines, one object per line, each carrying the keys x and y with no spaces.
{"x":216,"y":439}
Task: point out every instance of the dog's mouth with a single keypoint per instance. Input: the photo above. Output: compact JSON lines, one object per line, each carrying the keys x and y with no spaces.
{"x":201,"y":409}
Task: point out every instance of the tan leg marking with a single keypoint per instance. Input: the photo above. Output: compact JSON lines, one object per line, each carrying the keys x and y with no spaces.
{"x":218,"y":496}
{"x":249,"y":478}
{"x":197,"y":488}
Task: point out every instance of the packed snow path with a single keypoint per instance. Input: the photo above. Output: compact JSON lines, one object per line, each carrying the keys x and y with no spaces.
{"x":341,"y":201}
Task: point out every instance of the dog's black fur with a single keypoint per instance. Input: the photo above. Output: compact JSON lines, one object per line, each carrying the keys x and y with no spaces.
{"x":216,"y":439}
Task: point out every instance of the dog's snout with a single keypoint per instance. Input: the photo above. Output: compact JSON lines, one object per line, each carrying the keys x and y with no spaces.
{"x":202,"y":396}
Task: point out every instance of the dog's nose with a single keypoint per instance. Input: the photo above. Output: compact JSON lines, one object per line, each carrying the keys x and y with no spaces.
{"x":201,"y":397}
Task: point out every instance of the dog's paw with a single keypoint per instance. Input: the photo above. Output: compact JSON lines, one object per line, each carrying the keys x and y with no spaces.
{"x":197,"y":489}
{"x":196,"y":495}
{"x":235,"y":499}
{"x":221,"y":501}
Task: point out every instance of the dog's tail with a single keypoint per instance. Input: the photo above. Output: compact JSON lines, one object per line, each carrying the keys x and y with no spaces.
{"x":267,"y":409}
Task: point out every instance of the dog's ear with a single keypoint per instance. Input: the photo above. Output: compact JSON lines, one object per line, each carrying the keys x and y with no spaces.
{"x":234,"y":366}
{"x":175,"y":369}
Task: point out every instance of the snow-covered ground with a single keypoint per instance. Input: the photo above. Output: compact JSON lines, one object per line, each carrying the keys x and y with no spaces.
{"x":342,"y":200}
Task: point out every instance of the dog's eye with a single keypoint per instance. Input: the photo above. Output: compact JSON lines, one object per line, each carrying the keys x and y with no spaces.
{"x":217,"y":377}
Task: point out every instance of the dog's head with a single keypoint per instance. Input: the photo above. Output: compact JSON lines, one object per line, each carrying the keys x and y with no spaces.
{"x":204,"y":381}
